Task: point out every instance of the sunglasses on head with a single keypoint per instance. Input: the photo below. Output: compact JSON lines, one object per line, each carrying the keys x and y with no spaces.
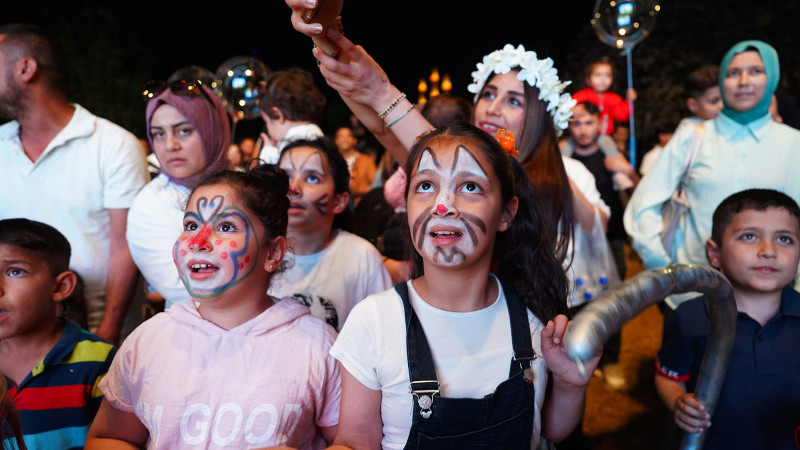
{"x":180,"y":87}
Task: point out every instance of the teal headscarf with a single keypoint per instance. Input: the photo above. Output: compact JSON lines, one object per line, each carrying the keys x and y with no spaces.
{"x":773,"y":70}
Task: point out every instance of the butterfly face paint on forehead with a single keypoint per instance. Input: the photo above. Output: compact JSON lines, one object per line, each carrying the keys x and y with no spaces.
{"x":451,"y":197}
{"x":218,"y":247}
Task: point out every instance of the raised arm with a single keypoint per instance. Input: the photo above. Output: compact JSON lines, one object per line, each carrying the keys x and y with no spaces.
{"x":360,"y":81}
{"x":367,"y":90}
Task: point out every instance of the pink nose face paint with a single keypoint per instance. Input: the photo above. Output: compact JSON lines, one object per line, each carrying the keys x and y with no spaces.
{"x":441,"y":209}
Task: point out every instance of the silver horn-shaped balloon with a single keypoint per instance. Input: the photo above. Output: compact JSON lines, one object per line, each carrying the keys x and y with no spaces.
{"x":605,"y":315}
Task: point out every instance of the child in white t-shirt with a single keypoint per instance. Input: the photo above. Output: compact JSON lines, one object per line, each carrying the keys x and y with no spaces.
{"x":328,"y":269}
{"x":456,"y":355}
{"x":233,"y":367}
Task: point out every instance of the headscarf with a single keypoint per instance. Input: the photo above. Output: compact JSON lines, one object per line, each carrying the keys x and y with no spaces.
{"x":207,"y":115}
{"x":773,"y":71}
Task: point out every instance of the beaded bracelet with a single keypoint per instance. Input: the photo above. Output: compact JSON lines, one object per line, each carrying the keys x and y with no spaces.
{"x":391,"y":107}
{"x":399,"y":117}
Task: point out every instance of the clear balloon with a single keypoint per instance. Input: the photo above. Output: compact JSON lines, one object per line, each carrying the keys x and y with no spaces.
{"x":239,"y":83}
{"x":194,"y":73}
{"x":624,"y":23}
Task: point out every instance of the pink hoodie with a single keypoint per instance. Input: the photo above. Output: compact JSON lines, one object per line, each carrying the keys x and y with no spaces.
{"x":267,"y":382}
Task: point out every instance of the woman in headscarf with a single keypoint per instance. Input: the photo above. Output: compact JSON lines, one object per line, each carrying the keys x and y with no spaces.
{"x":189,"y":131}
{"x":741,"y":148}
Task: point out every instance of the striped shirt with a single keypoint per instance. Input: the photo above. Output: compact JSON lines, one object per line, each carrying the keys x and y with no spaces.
{"x":58,"y":400}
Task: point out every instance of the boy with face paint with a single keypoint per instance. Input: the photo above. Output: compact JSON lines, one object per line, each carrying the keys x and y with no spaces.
{"x":742,"y":148}
{"x":328,"y":269}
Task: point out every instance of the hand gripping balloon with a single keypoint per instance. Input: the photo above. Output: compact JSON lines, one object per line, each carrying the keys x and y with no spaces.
{"x":607,"y":313}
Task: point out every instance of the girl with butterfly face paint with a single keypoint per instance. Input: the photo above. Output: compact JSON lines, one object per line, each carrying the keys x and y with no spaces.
{"x":481,"y":323}
{"x":280,"y":386}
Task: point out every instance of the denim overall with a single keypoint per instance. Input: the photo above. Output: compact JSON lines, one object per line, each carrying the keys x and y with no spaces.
{"x":500,"y":420}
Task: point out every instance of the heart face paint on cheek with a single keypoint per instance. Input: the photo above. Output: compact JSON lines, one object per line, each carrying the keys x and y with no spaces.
{"x":207,"y":269}
{"x":444,"y":234}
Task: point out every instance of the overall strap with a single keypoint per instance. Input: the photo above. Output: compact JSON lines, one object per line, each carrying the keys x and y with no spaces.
{"x":421,"y":369}
{"x":520,"y":331}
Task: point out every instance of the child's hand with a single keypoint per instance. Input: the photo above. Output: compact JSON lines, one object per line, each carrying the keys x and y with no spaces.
{"x":565,"y":370}
{"x":630,"y":95}
{"x":690,"y":414}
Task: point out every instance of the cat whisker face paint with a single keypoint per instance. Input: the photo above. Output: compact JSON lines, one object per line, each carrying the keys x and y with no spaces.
{"x":454,"y":204}
{"x":219,"y":246}
{"x":311,"y":186}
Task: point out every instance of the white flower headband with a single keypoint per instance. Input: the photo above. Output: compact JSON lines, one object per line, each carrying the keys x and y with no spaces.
{"x":536,"y":72}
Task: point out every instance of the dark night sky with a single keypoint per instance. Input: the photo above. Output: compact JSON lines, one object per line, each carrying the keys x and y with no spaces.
{"x":407,"y":37}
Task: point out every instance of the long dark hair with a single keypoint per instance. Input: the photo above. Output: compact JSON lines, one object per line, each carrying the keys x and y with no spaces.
{"x":523,"y":254}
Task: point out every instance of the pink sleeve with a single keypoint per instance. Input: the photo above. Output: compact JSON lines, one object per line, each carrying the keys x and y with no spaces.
{"x":116,"y":385}
{"x":330,"y":390}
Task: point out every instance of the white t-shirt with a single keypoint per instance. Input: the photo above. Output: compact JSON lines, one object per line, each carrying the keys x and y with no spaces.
{"x":91,"y":166}
{"x":155,"y":221}
{"x":472,"y":353}
{"x":332,"y":281}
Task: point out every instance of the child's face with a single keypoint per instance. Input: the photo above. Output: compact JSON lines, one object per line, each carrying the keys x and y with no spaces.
{"x":454,"y":204}
{"x":176,"y":142}
{"x":312,"y":192}
{"x":759,"y":251}
{"x":708,"y":105}
{"x":745,"y":81}
{"x":26,"y":292}
{"x":501,"y":105}
{"x":600,"y":78}
{"x":220,"y":244}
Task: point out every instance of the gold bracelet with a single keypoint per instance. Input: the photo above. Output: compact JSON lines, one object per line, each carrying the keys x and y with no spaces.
{"x":391,"y":107}
{"x":399,"y":117}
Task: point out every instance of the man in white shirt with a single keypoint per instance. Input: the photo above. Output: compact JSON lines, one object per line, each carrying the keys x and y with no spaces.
{"x":68,"y":168}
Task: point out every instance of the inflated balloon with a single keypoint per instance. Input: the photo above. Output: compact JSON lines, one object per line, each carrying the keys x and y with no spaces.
{"x":240,"y":80}
{"x":194,"y":73}
{"x":623,"y":23}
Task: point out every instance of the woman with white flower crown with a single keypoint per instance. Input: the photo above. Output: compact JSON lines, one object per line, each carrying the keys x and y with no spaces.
{"x":514,"y":89}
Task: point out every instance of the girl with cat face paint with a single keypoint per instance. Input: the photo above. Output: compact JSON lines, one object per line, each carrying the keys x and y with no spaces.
{"x":481,"y":319}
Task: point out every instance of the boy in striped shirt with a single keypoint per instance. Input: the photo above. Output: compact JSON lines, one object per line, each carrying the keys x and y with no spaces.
{"x":51,"y":365}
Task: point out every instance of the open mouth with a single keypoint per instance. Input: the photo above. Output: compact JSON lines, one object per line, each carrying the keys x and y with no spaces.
{"x":489,"y":127}
{"x":445,"y":234}
{"x":203,"y":268}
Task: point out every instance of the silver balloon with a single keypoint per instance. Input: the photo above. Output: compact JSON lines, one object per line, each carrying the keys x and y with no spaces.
{"x":193,"y":73}
{"x":239,"y":83}
{"x":623,"y":23}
